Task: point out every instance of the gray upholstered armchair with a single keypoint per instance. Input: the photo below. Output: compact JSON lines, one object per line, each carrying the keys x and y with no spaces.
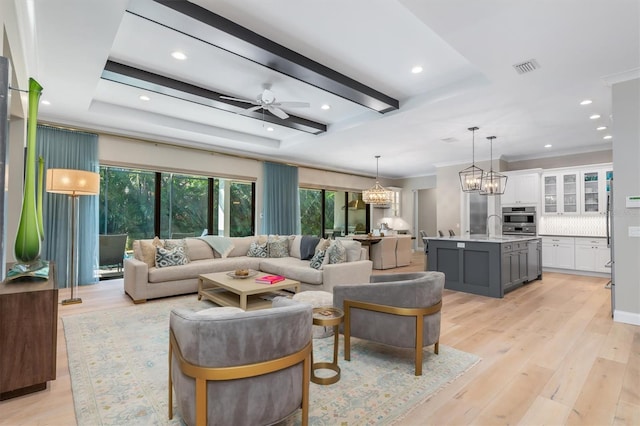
{"x":395,"y":309}
{"x":240,"y":368}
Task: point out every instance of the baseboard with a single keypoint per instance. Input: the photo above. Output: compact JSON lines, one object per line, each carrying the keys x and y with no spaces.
{"x":577,"y":272}
{"x":626,"y":317}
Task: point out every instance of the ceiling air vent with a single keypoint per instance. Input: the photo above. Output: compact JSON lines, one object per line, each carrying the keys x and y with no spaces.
{"x":527,"y":66}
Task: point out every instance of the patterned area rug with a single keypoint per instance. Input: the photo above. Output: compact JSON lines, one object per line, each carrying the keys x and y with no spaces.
{"x":118,"y":367}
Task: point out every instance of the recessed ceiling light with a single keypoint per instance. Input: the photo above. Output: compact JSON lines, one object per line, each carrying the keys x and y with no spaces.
{"x":325,"y":107}
{"x":601,"y":128}
{"x":45,"y":102}
{"x":417,"y":69}
{"x":548,"y":145}
{"x":144,"y":98}
{"x":595,"y":116}
{"x":269,"y":129}
{"x":607,"y":137}
{"x":179,"y":55}
{"x":586,"y":102}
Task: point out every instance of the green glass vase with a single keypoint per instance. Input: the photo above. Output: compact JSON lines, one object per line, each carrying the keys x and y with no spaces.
{"x":27,"y":247}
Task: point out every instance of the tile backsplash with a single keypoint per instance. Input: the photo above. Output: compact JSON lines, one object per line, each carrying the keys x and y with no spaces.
{"x":587,"y":226}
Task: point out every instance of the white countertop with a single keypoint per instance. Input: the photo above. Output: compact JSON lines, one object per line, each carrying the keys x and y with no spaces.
{"x":484,"y":239}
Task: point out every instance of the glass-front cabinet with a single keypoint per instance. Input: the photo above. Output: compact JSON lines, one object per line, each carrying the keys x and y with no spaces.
{"x":576,"y":191}
{"x":560,"y":192}
{"x":594,"y":190}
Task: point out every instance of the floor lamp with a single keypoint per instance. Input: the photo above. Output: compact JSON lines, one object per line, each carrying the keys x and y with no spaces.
{"x":73,"y":183}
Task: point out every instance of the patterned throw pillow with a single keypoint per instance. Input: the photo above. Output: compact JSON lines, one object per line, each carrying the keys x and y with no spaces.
{"x":318,"y":259}
{"x":278,"y":247}
{"x":171,"y":244}
{"x":257,"y":250}
{"x":174,"y":257}
{"x":337,"y":252}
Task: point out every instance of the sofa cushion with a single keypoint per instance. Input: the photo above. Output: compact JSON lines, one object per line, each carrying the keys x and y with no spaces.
{"x":354,"y":249}
{"x":292,"y":268}
{"x":241,"y":245}
{"x":204,"y":266}
{"x":170,"y":257}
{"x":145,"y":250}
{"x":220,"y":244}
{"x":198,"y":249}
{"x":294,"y":248}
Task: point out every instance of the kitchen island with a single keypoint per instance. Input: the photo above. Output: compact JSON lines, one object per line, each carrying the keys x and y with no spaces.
{"x":485,"y":266}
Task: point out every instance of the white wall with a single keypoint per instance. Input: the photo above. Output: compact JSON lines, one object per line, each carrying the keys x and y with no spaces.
{"x":626,"y":178}
{"x":12,"y":47}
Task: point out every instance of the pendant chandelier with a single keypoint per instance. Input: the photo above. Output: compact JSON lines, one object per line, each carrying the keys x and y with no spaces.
{"x":493,"y":183}
{"x":471,"y":177}
{"x":377,"y":195}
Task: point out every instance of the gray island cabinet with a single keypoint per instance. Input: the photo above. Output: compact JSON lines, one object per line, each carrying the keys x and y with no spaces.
{"x":485,"y":266}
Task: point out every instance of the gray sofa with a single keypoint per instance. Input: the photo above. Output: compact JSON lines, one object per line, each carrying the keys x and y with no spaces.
{"x":143,"y":281}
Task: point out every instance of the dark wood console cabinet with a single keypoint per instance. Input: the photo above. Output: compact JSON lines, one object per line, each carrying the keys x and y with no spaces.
{"x":28,"y":333}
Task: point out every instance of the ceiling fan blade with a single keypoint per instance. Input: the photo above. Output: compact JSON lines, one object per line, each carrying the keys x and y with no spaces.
{"x":255,"y":108}
{"x":247,"y":101}
{"x":278,"y":112}
{"x":292,"y":104}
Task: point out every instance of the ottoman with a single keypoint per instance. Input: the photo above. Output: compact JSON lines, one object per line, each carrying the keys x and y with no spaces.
{"x":317,"y":299}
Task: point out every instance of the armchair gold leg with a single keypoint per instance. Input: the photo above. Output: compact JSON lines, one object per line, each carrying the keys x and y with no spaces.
{"x":201,"y":401}
{"x":306,"y":377}
{"x":419,"y":336}
{"x":347,"y":331}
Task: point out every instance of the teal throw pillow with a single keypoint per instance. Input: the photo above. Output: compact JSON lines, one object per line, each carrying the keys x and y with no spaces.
{"x":318,"y":259}
{"x":257,"y":250}
{"x":170,"y":257}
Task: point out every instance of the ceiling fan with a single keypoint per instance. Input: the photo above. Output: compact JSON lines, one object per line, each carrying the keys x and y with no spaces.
{"x":267,"y":101}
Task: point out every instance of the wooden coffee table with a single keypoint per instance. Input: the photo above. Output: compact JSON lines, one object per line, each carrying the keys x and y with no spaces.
{"x":246,"y":294}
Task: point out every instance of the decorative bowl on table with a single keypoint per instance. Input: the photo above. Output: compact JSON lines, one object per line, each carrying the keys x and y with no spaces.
{"x":242,"y":273}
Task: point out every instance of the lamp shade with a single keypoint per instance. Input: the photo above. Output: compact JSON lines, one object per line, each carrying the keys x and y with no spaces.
{"x":73,"y":182}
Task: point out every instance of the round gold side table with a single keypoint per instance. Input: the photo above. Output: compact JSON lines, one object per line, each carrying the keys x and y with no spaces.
{"x":327,"y":316}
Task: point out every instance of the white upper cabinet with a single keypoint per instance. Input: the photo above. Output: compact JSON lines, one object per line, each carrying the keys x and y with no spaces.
{"x":594,"y":190}
{"x":522,"y":189}
{"x":575,"y":191}
{"x":560,"y":192}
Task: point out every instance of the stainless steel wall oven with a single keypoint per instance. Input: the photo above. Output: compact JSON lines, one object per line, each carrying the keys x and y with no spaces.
{"x":519,"y":220}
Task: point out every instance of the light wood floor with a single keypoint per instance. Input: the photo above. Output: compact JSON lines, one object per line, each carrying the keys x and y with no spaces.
{"x":551,"y":354}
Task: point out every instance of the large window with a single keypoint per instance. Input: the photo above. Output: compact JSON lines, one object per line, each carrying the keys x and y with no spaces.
{"x":184,"y":206}
{"x":127,"y":202}
{"x":311,"y":211}
{"x":188,"y":205}
{"x":241,"y":209}
{"x":332,"y":213}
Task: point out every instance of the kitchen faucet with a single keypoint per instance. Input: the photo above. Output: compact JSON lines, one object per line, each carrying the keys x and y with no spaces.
{"x":489,"y":217}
